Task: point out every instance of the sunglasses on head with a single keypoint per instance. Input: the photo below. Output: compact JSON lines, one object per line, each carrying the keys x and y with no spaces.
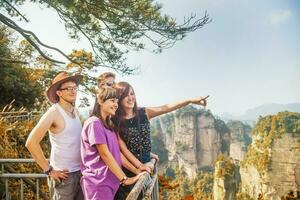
{"x":109,"y":83}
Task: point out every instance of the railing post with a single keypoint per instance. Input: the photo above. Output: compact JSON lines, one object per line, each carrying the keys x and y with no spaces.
{"x":24,"y":178}
{"x":157,"y":189}
{"x":6,"y":189}
{"x":22,"y":190}
{"x":37,"y":182}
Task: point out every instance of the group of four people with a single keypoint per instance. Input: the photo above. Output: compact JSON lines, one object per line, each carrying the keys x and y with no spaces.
{"x":103,"y":158}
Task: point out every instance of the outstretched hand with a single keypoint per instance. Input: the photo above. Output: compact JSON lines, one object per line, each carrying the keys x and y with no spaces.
{"x":202,"y":101}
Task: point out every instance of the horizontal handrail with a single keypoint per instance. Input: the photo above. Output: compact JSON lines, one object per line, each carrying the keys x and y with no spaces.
{"x":17,"y":160}
{"x":20,"y":175}
{"x":8,"y":173}
{"x":147,"y":182}
{"x":20,"y":112}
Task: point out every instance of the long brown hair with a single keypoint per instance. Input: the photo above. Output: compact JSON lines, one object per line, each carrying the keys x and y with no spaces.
{"x":123,"y":89}
{"x":103,"y":95}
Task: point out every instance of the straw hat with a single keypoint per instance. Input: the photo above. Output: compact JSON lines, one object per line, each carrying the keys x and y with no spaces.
{"x":59,"y":79}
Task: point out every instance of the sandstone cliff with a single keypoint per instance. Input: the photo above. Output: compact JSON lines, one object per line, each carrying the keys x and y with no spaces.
{"x":271,"y":167}
{"x":240,"y":134}
{"x":226,"y":179}
{"x":268,"y":167}
{"x":193,"y":137}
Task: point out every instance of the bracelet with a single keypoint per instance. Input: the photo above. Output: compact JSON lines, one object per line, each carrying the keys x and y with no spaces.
{"x":123,"y":180}
{"x":48,"y":170}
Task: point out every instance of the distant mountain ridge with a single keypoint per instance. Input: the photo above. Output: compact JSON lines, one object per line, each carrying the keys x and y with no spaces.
{"x":263,"y":110}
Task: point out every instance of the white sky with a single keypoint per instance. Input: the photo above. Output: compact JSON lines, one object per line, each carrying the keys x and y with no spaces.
{"x":248,"y":55}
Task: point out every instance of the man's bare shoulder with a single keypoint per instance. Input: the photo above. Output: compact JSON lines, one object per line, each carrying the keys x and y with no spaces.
{"x":51,"y":113}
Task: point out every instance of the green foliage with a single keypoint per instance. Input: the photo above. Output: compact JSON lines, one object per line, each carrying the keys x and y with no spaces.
{"x":170,"y":173}
{"x":283,"y":122}
{"x":221,"y":126}
{"x":113,"y":28}
{"x":226,"y":166}
{"x":186,"y":188}
{"x":158,"y":147}
{"x":243,"y":196}
{"x":12,"y":145}
{"x":181,"y":147}
{"x":267,"y":129}
{"x":247,"y":140}
{"x":16,"y":85}
{"x":168,"y":120}
{"x":182,"y":187}
{"x":206,"y":169}
{"x":203,"y":186}
{"x":23,"y":85}
{"x":243,"y":129}
{"x":191,"y":110}
{"x":25,"y":75}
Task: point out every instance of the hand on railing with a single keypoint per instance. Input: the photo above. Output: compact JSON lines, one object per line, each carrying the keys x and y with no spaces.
{"x":155,"y":157}
{"x":151,"y":164}
{"x":144,"y":168}
{"x":58,"y":174}
{"x":146,"y":182}
{"x":132,"y":180}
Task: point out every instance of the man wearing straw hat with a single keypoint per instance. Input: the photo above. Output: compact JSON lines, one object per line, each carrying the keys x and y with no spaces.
{"x":64,"y":127}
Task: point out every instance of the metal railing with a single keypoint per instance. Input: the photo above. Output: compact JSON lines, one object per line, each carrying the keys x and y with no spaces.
{"x":148,"y":184}
{"x":23,"y":177}
{"x":20,"y":116}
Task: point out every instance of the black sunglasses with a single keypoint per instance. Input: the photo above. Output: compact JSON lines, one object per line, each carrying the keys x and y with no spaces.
{"x":110,"y":83}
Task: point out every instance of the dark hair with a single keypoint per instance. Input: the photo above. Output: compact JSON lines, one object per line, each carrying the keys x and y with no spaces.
{"x":103,"y":95}
{"x":123,"y":89}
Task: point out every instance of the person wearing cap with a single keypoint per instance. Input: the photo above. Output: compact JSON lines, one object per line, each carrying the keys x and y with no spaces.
{"x":64,"y":127}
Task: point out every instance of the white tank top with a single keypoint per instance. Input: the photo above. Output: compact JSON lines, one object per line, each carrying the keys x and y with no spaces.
{"x":65,"y":145}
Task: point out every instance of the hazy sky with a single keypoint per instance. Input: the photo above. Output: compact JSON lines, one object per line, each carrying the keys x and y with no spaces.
{"x":247,"y":56}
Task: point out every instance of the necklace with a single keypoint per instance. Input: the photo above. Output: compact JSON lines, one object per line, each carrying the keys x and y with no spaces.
{"x":130,"y":119}
{"x":71,"y":112}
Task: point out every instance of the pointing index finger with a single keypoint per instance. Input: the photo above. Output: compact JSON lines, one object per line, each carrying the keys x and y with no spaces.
{"x":205,"y":97}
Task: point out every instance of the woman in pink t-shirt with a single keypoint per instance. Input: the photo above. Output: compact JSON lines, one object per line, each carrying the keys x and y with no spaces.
{"x":100,"y":152}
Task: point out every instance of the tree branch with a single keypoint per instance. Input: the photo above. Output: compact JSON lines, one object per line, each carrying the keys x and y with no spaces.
{"x":16,"y":10}
{"x":28,"y":34}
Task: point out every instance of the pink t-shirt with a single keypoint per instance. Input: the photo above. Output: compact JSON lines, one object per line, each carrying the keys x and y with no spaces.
{"x":97,"y":180}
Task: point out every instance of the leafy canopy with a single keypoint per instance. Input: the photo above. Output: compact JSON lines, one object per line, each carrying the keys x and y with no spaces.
{"x":112,"y":27}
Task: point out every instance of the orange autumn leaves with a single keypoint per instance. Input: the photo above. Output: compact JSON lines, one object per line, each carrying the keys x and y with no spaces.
{"x":82,"y":57}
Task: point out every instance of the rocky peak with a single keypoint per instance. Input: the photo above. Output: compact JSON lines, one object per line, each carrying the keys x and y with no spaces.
{"x":193,"y":137}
